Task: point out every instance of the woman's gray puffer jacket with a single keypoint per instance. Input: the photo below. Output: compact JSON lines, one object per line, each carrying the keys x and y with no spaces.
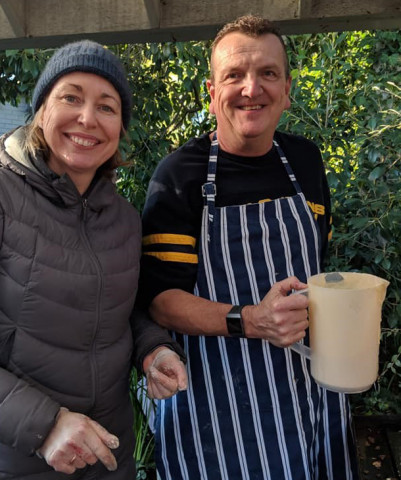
{"x":68,"y":279}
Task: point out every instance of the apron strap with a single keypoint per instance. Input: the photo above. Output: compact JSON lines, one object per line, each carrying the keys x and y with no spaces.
{"x":209,"y":188}
{"x":287,"y":166}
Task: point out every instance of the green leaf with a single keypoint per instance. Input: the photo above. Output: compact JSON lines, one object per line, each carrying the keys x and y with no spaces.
{"x":377,"y":172}
{"x":359,"y":222}
{"x":12,"y":53}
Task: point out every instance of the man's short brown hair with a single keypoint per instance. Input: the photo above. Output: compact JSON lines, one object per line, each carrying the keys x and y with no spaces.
{"x":252,"y":26}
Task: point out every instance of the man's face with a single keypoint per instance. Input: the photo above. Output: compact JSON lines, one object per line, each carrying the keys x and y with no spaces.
{"x":249,"y":91}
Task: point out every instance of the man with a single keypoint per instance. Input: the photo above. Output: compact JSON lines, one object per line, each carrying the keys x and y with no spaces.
{"x":235,"y":221}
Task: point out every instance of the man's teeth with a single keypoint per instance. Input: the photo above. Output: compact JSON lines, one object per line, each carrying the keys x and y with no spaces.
{"x":82,"y":141}
{"x":251,"y":107}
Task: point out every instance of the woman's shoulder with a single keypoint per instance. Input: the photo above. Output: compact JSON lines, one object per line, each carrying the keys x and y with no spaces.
{"x":127,"y":209}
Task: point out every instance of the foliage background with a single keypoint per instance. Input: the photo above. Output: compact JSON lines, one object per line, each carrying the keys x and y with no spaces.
{"x":346,"y":96}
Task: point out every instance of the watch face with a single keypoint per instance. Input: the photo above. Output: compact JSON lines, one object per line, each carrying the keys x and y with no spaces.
{"x":234,"y":322}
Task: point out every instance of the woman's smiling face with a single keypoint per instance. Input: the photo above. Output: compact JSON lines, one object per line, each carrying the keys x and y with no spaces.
{"x":81,"y":122}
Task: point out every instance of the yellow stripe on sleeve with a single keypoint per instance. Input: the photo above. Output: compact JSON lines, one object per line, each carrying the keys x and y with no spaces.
{"x":170,"y":238}
{"x":174,"y":256}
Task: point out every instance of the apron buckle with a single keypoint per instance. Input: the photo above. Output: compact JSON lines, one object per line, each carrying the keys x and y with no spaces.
{"x":209,"y":189}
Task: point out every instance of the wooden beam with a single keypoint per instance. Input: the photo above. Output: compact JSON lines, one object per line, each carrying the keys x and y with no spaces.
{"x":153,"y":10}
{"x":83,"y":17}
{"x":344,"y":8}
{"x":50,"y":23}
{"x":14,"y":10}
{"x":305,"y":8}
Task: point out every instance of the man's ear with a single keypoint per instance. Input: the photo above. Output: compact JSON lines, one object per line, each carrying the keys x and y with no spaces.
{"x":287,"y":92}
{"x":211,"y":90}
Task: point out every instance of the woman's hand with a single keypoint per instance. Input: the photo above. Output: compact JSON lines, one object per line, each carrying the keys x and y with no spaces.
{"x":76,"y":441}
{"x":165,"y":373}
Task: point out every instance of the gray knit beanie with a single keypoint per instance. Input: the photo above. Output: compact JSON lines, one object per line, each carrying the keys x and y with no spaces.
{"x":84,"y":56}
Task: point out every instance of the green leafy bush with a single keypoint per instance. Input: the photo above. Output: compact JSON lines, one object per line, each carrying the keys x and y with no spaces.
{"x":346,"y":97}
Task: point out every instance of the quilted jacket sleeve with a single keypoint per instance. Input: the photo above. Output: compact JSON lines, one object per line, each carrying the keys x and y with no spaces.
{"x":27,"y":415}
{"x":1,"y":224}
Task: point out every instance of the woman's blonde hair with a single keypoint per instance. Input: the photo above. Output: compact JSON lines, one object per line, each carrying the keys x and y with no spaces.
{"x":35,"y":142}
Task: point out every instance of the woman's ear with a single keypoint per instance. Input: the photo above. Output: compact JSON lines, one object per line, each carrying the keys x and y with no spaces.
{"x":40,"y":117}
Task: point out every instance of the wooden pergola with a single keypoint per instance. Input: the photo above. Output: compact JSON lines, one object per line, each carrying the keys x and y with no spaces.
{"x":50,"y":23}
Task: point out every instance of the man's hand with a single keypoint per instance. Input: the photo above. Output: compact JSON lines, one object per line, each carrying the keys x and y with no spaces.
{"x":76,"y":441}
{"x":279,"y":318}
{"x":165,"y":373}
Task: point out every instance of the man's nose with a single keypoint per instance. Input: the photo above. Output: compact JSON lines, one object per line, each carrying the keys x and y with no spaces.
{"x":252,"y":87}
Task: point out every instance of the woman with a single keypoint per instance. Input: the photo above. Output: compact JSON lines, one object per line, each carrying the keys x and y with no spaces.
{"x":69,"y":260}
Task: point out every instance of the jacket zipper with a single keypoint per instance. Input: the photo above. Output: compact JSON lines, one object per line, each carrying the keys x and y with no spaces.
{"x":98,"y":268}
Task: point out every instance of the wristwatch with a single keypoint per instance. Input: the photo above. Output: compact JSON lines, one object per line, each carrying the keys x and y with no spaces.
{"x":234,"y":321}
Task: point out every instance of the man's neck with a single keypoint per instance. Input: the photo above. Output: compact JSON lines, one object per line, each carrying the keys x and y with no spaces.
{"x":252,"y":147}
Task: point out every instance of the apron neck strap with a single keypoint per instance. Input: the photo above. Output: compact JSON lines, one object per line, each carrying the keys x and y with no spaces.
{"x":288,"y":168}
{"x":209,"y":188}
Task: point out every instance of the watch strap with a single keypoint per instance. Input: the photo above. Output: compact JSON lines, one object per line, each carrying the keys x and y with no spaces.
{"x":235,"y":325}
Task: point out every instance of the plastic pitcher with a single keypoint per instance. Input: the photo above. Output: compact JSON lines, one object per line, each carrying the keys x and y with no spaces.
{"x":344,"y":329}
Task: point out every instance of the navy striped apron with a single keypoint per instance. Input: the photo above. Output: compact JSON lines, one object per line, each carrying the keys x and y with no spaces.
{"x":252,"y":410}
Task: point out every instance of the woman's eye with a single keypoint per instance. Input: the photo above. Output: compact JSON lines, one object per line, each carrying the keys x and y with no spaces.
{"x":107,"y":108}
{"x":70,"y":98}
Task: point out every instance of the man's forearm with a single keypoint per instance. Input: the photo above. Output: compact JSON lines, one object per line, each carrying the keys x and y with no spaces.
{"x":186,"y":313}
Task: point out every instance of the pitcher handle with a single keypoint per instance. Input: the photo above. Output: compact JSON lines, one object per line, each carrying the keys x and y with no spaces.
{"x":299,"y":347}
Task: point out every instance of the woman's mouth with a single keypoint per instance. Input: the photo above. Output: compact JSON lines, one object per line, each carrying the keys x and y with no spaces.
{"x":83,"y":141}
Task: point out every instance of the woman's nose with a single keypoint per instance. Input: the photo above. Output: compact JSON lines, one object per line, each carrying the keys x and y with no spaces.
{"x":87,"y":116}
